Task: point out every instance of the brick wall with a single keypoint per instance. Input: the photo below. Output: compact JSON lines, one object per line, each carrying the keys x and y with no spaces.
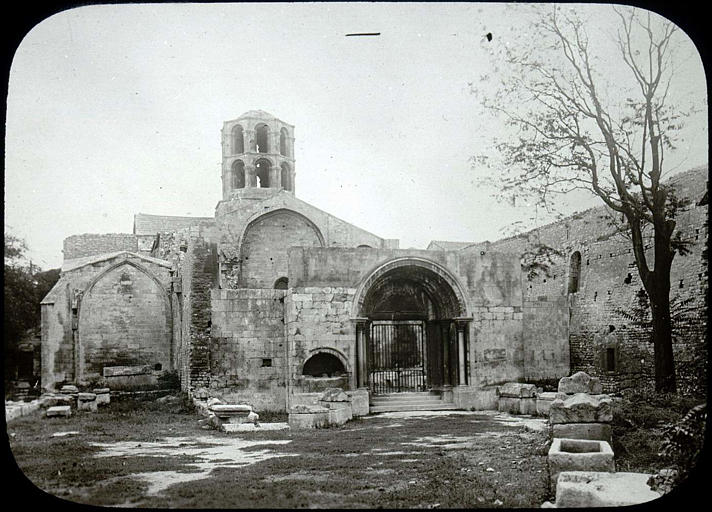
{"x":78,"y":246}
{"x":199,"y":275}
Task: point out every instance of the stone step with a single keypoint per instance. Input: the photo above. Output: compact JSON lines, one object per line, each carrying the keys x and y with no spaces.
{"x":442,"y":406}
{"x":408,"y":394}
{"x":380,"y":401}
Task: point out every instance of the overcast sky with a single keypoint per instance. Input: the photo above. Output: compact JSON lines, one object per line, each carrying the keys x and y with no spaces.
{"x":117,"y":109}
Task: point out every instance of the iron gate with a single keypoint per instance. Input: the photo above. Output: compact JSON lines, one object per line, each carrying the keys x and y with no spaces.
{"x":397,"y":356}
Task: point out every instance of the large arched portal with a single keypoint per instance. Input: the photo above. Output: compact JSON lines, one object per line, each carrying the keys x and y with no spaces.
{"x":408,"y":329}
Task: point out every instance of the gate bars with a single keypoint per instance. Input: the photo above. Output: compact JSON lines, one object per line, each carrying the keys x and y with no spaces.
{"x":397,"y":356}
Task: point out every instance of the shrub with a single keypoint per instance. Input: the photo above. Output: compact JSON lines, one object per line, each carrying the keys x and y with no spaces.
{"x":682,"y":441}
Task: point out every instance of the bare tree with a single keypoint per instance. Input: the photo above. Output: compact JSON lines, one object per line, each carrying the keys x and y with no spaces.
{"x":574,"y":128}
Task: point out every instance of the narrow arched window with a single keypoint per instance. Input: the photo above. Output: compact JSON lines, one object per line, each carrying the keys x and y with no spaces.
{"x":283,"y":142}
{"x":238,"y":140}
{"x":262,"y":138}
{"x":262,"y":172}
{"x":238,"y":174}
{"x":574,"y":272}
{"x":286,"y":177}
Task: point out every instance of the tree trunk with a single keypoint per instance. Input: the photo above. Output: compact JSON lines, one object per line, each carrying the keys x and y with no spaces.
{"x":662,"y":340}
{"x":658,"y":288}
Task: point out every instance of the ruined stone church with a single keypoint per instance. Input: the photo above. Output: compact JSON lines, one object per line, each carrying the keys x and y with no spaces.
{"x":273,"y":299}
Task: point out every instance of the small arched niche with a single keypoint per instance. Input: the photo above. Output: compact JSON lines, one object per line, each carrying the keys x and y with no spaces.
{"x":262,"y":138}
{"x":238,"y":140}
{"x":281,"y":284}
{"x":323,"y":364}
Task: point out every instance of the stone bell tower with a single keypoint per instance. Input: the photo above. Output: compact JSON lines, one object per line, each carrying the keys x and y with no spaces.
{"x":258,"y":152}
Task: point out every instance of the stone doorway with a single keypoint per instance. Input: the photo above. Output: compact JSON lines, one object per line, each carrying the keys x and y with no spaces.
{"x":408,"y":335}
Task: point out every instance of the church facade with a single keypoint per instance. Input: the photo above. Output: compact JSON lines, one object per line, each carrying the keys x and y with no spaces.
{"x":273,"y":299}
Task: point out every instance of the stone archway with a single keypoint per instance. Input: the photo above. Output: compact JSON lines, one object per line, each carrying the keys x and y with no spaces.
{"x":124,"y":319}
{"x":409,"y":337}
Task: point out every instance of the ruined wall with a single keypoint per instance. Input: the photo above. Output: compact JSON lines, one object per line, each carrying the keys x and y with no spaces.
{"x":114,"y":316}
{"x":78,"y":246}
{"x":247,"y":347}
{"x":125,"y":320}
{"x":199,"y":276}
{"x":608,"y":285}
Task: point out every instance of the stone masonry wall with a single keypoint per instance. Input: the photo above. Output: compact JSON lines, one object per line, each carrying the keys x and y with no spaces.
{"x":78,"y":246}
{"x":264,"y":248}
{"x":247,"y":347}
{"x":64,"y":322}
{"x":545,"y":339}
{"x":125,"y":320}
{"x":608,"y":287}
{"x":319,"y":319}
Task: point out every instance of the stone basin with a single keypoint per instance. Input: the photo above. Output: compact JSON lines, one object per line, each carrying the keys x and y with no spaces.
{"x":578,"y":455}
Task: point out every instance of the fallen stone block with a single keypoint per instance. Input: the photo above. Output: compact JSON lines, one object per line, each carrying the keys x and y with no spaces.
{"x":59,"y":411}
{"x":251,"y":427}
{"x":339,"y":412}
{"x":581,"y":408}
{"x":578,"y":489}
{"x":69,"y":389}
{"x":308,"y":416}
{"x":87,"y":402}
{"x":103,"y":396}
{"x":580,"y":382}
{"x":215,"y":401}
{"x":232,"y":413}
{"x":593,"y":431}
{"x":543,"y":402}
{"x":334,"y":395}
{"x":578,"y":455}
{"x":359,"y":402}
{"x":517,"y":390}
{"x":54,"y":400}
{"x":514,"y":405}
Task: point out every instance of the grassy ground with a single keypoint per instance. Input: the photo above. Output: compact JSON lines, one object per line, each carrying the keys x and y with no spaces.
{"x":458,"y":460}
